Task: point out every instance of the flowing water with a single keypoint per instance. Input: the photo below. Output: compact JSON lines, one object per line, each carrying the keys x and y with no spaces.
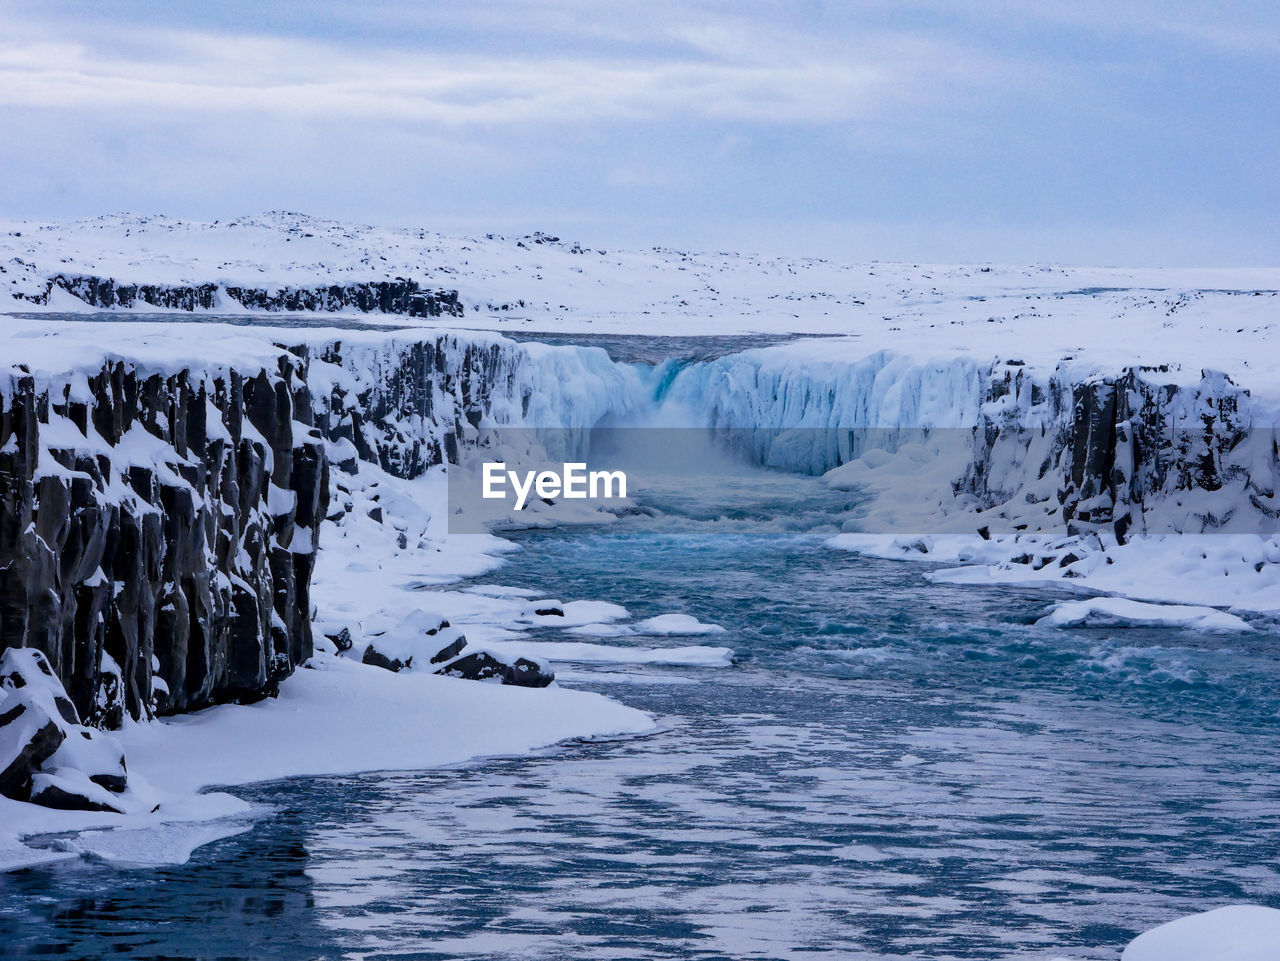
{"x":892,"y":769}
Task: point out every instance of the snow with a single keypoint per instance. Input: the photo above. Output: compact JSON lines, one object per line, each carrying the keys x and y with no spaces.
{"x":1119,"y":612}
{"x":342,"y":717}
{"x":171,"y":843}
{"x":1225,"y":319}
{"x":1236,"y":571}
{"x":1238,"y":932}
{"x":338,"y":717}
{"x":158,"y":810}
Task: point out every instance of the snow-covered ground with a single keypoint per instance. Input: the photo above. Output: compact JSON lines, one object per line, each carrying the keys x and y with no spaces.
{"x":1238,"y":932}
{"x":1224,"y":319}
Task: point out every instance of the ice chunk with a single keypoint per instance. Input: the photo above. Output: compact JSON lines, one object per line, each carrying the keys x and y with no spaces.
{"x":1121,"y":612}
{"x":676,"y":624}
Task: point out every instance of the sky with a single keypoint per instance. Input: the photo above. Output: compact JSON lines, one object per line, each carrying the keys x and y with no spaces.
{"x":1130,"y":132}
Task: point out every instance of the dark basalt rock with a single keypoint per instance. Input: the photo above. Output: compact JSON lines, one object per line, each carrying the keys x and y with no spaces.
{"x":478,"y":666}
{"x":1120,"y":448}
{"x":341,"y":639}
{"x":194,"y":587}
{"x":388,"y":296}
{"x":450,"y":650}
{"x":30,"y":670}
{"x":199,"y":566}
{"x":95,"y":754}
{"x":483,"y":666}
{"x":373,"y":656}
{"x":527,"y":673}
{"x":45,"y":753}
{"x":70,"y":792}
{"x":29,"y":736}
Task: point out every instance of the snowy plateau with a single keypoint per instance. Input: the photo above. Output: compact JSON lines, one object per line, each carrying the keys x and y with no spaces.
{"x":224,"y":499}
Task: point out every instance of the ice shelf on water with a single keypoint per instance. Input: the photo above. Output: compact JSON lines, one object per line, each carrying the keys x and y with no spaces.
{"x":1120,"y":612}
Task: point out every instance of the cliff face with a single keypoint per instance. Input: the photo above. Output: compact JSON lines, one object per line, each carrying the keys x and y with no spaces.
{"x":388,"y":296}
{"x":405,"y":404}
{"x":157,"y":533}
{"x":1128,"y":453}
{"x":158,"y":530}
{"x":1063,"y":450}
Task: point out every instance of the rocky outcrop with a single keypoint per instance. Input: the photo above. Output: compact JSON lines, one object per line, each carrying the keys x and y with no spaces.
{"x":46,"y":755}
{"x":1128,"y":453}
{"x":400,"y":296}
{"x":424,"y":641}
{"x":158,"y":531}
{"x":406,"y":405}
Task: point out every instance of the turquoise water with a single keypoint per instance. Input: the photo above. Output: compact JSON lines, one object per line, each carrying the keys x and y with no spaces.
{"x":892,"y":769}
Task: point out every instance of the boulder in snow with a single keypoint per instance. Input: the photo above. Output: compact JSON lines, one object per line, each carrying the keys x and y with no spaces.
{"x":526,"y":672}
{"x":29,"y":736}
{"x":340,"y":637}
{"x":421,"y":640}
{"x":94,"y":753}
{"x":476,"y":666}
{"x":27,"y":668}
{"x":486,"y":666}
{"x":451,"y":650}
{"x":374,"y":655}
{"x":46,"y":755}
{"x":70,"y":790}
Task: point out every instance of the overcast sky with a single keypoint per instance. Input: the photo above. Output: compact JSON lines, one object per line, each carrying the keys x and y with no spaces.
{"x":1084,"y":131}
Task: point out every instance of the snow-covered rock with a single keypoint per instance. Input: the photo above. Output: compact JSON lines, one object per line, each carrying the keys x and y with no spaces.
{"x":484,"y":665}
{"x":400,"y":649}
{"x":96,"y":754}
{"x":29,"y":736}
{"x":28,"y":670}
{"x":46,"y":755}
{"x":70,"y":790}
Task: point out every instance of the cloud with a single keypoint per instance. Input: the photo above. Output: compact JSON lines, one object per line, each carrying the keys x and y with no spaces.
{"x":947,"y":118}
{"x":730,"y":71}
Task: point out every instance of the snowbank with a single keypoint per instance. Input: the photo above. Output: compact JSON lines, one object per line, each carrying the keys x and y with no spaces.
{"x":338,"y":717}
{"x":1240,"y":932}
{"x":1236,"y":571}
{"x":341,"y":717}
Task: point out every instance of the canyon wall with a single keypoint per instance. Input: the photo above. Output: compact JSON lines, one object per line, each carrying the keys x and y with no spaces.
{"x":158,"y":529}
{"x":157,"y":532}
{"x":158,"y":525}
{"x":400,"y":296}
